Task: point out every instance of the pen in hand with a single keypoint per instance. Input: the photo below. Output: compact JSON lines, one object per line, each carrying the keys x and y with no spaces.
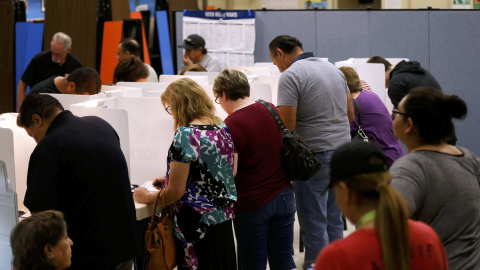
{"x":158,"y":182}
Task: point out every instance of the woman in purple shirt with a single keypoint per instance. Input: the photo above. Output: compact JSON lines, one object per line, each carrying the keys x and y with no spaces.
{"x":376,"y":121}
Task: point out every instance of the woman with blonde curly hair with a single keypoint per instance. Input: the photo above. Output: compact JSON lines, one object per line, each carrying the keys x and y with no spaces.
{"x":199,"y":183}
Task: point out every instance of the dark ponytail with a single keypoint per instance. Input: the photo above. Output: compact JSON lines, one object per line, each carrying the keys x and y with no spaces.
{"x":455,"y":106}
{"x":432,"y":112}
{"x":391,"y":224}
{"x":391,"y":221}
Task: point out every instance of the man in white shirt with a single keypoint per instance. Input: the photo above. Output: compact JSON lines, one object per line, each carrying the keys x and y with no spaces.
{"x":130,"y":47}
{"x":195,"y":53}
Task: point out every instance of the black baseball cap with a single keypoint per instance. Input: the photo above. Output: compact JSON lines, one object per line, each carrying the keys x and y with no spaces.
{"x":354,"y":158}
{"x":192,"y":42}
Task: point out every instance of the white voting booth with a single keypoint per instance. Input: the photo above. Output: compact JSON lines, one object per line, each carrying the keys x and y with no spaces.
{"x":145,"y":130}
{"x":15,"y":149}
{"x":261,"y":91}
{"x":211,"y":75}
{"x":372,"y":74}
{"x":259,"y":88}
{"x":145,"y":87}
{"x":124,"y":91}
{"x":8,"y":217}
{"x":202,"y":80}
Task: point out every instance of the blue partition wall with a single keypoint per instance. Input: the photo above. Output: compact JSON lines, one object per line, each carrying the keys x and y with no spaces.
{"x":164,"y":42}
{"x":342,"y":33}
{"x":28,"y":42}
{"x":399,"y":34}
{"x":455,"y":60}
{"x":443,"y":41}
{"x":300,"y":24}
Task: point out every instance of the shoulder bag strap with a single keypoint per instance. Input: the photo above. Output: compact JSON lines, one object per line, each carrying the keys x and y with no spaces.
{"x":357,"y":106}
{"x":155,"y":206}
{"x":277,"y":118}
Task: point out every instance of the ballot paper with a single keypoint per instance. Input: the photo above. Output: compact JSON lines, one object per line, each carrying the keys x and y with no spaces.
{"x":149,"y":186}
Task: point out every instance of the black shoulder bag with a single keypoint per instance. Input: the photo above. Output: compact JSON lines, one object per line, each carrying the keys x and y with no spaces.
{"x":360,"y":136}
{"x":298,"y":160}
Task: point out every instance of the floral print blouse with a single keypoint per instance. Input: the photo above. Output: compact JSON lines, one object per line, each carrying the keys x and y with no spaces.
{"x":210,"y":188}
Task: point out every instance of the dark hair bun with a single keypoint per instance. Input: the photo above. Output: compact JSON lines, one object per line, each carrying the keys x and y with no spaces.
{"x":455,"y":106}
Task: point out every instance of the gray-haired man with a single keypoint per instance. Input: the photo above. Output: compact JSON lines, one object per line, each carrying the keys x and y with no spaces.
{"x":58,"y":61}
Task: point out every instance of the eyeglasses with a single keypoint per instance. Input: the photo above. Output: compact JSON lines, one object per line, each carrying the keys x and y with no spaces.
{"x":167,"y":109}
{"x":395,"y":112}
{"x":216,"y":100}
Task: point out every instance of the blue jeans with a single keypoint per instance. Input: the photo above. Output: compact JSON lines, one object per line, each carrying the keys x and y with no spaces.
{"x":318,"y":214}
{"x":267,"y":232}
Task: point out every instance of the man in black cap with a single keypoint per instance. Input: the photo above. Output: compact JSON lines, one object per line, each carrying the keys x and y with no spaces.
{"x":195,"y":53}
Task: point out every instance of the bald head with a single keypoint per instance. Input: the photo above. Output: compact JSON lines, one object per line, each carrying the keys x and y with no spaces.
{"x":128,"y":47}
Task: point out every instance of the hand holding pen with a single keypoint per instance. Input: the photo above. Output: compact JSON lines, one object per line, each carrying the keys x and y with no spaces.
{"x":158,"y":182}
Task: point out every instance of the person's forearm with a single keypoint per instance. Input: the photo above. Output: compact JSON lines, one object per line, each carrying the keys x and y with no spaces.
{"x":147,"y":198}
{"x":21,"y":92}
{"x":288,"y":114}
{"x":170,"y":196}
{"x":350,"y":110}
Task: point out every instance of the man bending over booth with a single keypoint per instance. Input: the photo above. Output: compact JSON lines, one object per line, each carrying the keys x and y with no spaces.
{"x":82,"y":81}
{"x":79,"y":169}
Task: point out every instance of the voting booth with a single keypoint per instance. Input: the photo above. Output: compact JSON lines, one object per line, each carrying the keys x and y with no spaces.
{"x":372,"y":76}
{"x":211,"y":75}
{"x":202,"y":80}
{"x":145,"y":130}
{"x":8,"y":216}
{"x":15,"y":149}
{"x":144,"y":86}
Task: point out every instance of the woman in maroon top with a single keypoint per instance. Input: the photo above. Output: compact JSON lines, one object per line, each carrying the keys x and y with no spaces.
{"x":265,"y":209}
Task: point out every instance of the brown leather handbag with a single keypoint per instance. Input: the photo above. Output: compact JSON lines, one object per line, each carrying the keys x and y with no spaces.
{"x":159,"y":239}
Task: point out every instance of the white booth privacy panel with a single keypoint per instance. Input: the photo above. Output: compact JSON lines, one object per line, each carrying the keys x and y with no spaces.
{"x":261,"y":91}
{"x":202,"y":80}
{"x":150,"y":134}
{"x":273,"y":82}
{"x":8,"y":217}
{"x":67,"y":100}
{"x":7,"y":156}
{"x":211,"y":75}
{"x":15,"y":150}
{"x":145,"y":86}
{"x":124,"y":91}
{"x":372,"y":77}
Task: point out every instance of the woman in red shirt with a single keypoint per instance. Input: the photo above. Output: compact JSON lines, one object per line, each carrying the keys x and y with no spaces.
{"x":385,"y":238}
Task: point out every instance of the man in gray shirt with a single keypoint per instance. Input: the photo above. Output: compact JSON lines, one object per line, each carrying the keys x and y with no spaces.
{"x":196,"y":53}
{"x":313,"y":100}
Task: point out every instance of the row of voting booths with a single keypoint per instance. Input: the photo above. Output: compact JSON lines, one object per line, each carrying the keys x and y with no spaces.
{"x":135,"y":111}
